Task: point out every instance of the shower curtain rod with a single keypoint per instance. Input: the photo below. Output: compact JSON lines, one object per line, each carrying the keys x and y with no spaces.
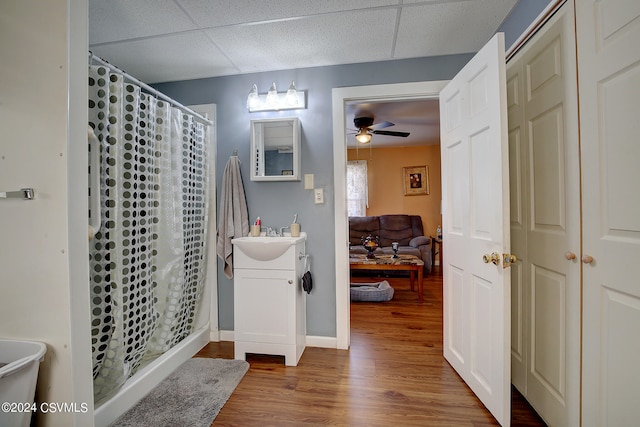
{"x":93,"y":57}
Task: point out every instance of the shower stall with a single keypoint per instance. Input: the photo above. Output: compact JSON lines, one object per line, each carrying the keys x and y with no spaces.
{"x":149,"y":204}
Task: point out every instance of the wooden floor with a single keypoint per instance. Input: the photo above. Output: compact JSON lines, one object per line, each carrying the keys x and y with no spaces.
{"x":393,"y":375}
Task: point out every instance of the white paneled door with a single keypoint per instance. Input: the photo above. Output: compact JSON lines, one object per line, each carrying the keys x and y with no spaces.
{"x":475,"y":192}
{"x":545,"y":221}
{"x":608,"y":33}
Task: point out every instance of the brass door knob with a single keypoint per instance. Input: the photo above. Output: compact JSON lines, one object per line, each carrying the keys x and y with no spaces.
{"x":570,"y":256}
{"x":508,"y":259}
{"x":587,"y":259}
{"x":493,"y":258}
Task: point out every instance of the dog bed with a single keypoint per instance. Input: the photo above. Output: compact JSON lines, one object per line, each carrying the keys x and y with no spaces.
{"x":379,"y":291}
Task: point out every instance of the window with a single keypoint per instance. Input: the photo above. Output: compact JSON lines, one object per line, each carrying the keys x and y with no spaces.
{"x":357,"y":188}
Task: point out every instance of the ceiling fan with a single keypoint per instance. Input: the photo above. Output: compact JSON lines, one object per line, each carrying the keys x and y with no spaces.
{"x":366,"y":128}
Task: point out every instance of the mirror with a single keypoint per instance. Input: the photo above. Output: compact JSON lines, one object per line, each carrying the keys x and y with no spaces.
{"x":275,"y":149}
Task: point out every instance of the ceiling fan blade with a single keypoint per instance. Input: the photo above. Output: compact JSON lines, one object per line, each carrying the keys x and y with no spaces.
{"x":381,"y":125}
{"x":391,"y":133}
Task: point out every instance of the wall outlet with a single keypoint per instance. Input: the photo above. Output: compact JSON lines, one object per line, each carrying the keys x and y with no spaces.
{"x":308,"y":181}
{"x":318,"y":196}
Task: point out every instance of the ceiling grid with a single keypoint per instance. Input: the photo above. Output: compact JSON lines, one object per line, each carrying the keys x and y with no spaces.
{"x":155,"y":39}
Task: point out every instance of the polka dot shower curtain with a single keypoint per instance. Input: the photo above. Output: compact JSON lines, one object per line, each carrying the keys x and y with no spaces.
{"x":147,"y":262}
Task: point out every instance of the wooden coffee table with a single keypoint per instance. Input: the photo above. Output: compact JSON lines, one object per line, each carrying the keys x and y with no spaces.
{"x":409,"y":263}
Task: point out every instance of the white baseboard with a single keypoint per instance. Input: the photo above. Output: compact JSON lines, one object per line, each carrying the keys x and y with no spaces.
{"x":324,"y":342}
{"x":310,"y":341}
{"x":226,"y":336}
{"x":214,"y":336}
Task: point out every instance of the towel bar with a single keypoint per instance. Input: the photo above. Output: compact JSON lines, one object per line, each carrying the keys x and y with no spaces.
{"x":23,"y":193}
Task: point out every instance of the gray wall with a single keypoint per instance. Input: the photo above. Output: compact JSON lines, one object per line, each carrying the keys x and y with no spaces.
{"x":522,"y":15}
{"x":276,"y":203}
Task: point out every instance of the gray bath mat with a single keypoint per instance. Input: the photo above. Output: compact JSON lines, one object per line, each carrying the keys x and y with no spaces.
{"x":191,"y":396}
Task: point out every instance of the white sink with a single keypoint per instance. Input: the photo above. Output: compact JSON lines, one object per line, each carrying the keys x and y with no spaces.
{"x":263,"y":248}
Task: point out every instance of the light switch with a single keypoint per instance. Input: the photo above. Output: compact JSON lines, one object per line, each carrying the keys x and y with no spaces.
{"x":308,"y":181}
{"x":318,"y":196}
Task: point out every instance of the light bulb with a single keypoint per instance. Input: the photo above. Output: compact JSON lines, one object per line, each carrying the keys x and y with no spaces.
{"x":363,"y":136}
{"x":272,"y":96}
{"x":292,"y":94}
{"x":253,"y":100}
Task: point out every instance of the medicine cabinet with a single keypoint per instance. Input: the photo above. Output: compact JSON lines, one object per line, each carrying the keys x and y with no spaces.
{"x":275,"y":149}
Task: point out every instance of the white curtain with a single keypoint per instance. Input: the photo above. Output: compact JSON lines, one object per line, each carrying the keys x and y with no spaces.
{"x":357,"y":188}
{"x":147,"y":262}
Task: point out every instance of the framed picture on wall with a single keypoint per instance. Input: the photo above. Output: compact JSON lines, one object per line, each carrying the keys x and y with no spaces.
{"x":416,"y":180}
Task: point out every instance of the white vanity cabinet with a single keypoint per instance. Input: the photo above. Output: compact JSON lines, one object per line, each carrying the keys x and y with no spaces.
{"x":270,"y":304}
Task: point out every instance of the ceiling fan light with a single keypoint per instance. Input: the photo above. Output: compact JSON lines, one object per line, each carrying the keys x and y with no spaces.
{"x":363,"y":136}
{"x":253,"y":100}
{"x":272,"y":96}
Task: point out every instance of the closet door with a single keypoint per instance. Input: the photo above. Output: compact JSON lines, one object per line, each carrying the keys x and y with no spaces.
{"x":546,"y":221}
{"x":519,"y":221}
{"x":608,"y":34}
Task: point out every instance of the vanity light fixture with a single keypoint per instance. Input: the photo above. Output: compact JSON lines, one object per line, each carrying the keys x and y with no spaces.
{"x":292,"y":99}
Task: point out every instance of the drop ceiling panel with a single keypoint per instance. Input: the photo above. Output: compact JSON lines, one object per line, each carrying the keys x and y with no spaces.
{"x":125,"y":19}
{"x":449,"y":28}
{"x":165,"y":58}
{"x":312,"y":41}
{"x":208,"y":13}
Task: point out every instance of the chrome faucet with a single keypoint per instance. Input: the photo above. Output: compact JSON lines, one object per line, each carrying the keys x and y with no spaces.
{"x":272,"y":232}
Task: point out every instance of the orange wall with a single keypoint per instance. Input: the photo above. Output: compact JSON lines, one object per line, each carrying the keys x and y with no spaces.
{"x":386,"y":193}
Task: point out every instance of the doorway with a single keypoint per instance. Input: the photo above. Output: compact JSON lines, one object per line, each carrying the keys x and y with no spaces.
{"x":404,"y":134}
{"x":342,"y":96}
